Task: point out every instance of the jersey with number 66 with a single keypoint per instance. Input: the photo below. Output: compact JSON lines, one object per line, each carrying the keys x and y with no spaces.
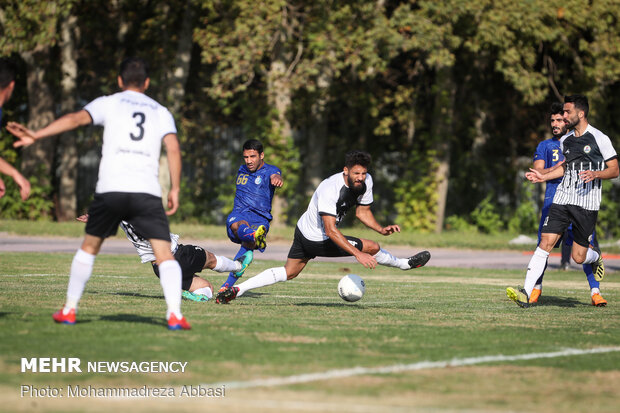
{"x":134,"y":126}
{"x":254,"y":191}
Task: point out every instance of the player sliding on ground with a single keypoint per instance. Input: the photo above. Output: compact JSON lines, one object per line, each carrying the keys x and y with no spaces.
{"x":134,"y":127}
{"x":317,"y":233}
{"x":191,"y":258}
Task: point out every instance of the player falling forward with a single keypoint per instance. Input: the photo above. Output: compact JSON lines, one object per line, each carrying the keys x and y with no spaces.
{"x":590,"y":157}
{"x":248,"y":223}
{"x":548,"y":155}
{"x":127,"y":187}
{"x":317,"y":233}
{"x":191,"y":258}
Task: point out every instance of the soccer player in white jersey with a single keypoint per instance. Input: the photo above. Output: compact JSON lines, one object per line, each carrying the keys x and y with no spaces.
{"x":317,"y":233}
{"x":127,"y":187}
{"x":590,"y":157}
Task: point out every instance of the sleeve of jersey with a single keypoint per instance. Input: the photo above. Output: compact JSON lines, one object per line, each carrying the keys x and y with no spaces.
{"x":367,"y":198}
{"x":327,"y":197}
{"x":97,"y":110}
{"x":540,"y":153}
{"x":607,"y":149}
{"x":168,"y":125}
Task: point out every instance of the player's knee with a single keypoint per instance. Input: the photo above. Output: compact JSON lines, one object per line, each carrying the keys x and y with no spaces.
{"x":370,"y":247}
{"x":211,"y":261}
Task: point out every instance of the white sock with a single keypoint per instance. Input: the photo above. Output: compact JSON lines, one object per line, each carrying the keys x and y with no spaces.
{"x":170,"y":280}
{"x":534,"y":269}
{"x":595,"y":291}
{"x":224,"y":264}
{"x":265,"y":278}
{"x":204,"y":291}
{"x":385,"y":258}
{"x":81,"y":270}
{"x":591,"y":256}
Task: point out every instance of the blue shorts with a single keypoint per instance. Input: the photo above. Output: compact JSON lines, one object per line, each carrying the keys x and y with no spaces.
{"x":253,"y":219}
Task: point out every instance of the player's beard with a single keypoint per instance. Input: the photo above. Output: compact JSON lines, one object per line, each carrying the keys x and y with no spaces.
{"x":356,"y":189}
{"x":571,"y":123}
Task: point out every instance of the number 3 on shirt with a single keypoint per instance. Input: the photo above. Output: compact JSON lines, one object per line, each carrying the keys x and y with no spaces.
{"x":242,"y":179}
{"x":141,"y":120}
{"x":555,"y":157}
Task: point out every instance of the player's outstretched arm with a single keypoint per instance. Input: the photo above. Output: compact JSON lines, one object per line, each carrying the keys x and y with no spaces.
{"x":63,"y":124}
{"x":276,"y":180}
{"x":23,"y":184}
{"x":610,"y":172}
{"x":173,"y":151}
{"x":329,"y":222}
{"x":364,"y":214}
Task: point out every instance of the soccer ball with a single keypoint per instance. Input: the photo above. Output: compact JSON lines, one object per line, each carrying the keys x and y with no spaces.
{"x":351,"y":287}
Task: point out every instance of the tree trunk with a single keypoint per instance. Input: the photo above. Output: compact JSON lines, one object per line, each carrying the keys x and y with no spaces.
{"x":38,"y":159}
{"x":279,"y":98}
{"x":67,"y":202}
{"x":317,"y":136}
{"x":442,"y":132}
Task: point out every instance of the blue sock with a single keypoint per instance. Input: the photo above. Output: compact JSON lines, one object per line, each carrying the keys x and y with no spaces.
{"x":245,"y":233}
{"x":232,"y":279}
{"x":587,"y":268}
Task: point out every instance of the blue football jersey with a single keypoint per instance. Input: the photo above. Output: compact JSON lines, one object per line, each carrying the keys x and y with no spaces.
{"x":254,"y":191}
{"x":550,"y":152}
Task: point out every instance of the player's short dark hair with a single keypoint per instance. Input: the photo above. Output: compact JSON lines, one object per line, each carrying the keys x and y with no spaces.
{"x":356,"y":157}
{"x":253,"y":144}
{"x":556,"y":108}
{"x":134,"y":71}
{"x":7,"y":72}
{"x":580,"y":102}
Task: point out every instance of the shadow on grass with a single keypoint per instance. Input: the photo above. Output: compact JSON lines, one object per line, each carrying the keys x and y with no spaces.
{"x":133,"y":318}
{"x":4,"y":314}
{"x":139,"y":295}
{"x":550,"y":300}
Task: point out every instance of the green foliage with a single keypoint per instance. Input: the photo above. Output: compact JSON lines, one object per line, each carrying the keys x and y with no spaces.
{"x":486,"y":218}
{"x":459,"y":224}
{"x":38,"y":206}
{"x":608,"y":223}
{"x":416,"y":194}
{"x":525,"y":218}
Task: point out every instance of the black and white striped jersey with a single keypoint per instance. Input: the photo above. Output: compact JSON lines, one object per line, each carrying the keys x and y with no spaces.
{"x":588,"y":152}
{"x":143,"y":247}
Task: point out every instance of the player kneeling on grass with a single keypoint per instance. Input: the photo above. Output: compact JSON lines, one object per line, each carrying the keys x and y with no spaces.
{"x":317,"y":232}
{"x":191,"y":258}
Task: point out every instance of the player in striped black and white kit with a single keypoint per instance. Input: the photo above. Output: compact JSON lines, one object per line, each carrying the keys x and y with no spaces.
{"x":134,"y":127}
{"x":589,"y":158}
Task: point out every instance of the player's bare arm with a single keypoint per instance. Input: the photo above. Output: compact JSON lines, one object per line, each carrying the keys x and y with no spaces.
{"x":173,"y":152}
{"x":23,"y":184}
{"x":365,"y":215}
{"x":610,"y":172}
{"x":276,"y":180}
{"x":539,"y":165}
{"x":536,"y":176}
{"x":63,"y":124}
{"x":329,"y":223}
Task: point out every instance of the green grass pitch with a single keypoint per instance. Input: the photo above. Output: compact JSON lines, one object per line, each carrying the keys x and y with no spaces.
{"x":303,"y":327}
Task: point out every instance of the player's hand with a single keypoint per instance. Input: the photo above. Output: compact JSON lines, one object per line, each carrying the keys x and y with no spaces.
{"x":83,"y":218}
{"x":366,"y":260}
{"x":389,"y":230}
{"x":534,"y":176}
{"x":25,"y":135}
{"x":587,"y":176}
{"x":173,"y":201}
{"x":24,"y":186}
{"x":276,"y":180}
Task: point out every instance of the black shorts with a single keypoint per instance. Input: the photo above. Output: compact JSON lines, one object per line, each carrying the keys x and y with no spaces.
{"x":561,"y":216}
{"x":192,"y":259}
{"x":304,"y":248}
{"x":144,"y":211}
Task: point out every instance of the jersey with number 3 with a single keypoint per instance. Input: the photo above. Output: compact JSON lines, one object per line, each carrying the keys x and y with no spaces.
{"x":550,"y":152}
{"x":133,"y":128}
{"x":254,"y":191}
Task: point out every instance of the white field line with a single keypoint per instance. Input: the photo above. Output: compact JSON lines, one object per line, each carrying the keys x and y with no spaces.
{"x":397,"y":368}
{"x":62,"y":275}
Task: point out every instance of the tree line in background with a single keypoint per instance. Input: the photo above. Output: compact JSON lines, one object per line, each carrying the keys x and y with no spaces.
{"x":450,"y":98}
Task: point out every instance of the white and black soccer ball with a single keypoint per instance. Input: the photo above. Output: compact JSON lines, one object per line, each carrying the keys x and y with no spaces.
{"x":351,"y":288}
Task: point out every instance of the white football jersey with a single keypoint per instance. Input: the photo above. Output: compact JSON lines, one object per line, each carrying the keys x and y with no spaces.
{"x":143,"y":247}
{"x":332,"y":197}
{"x":134,"y":126}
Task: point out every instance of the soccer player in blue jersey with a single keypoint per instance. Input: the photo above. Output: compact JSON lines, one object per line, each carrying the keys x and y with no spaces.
{"x":548,"y":154}
{"x":248,"y":223}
